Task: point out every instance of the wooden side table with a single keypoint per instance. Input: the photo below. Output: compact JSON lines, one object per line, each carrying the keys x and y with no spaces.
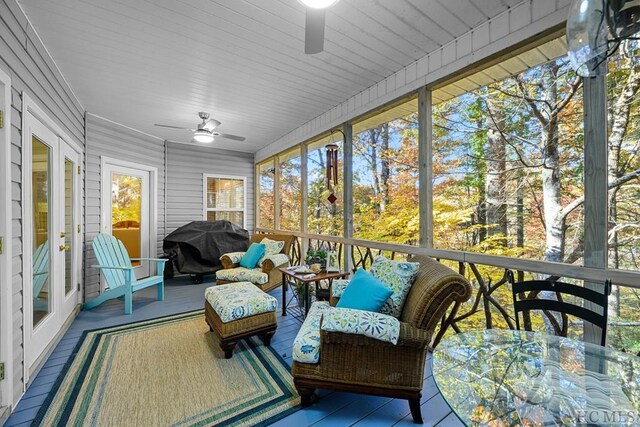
{"x":299,"y":277}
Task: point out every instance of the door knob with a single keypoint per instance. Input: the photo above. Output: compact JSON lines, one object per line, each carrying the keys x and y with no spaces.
{"x":63,"y":234}
{"x":64,"y":248}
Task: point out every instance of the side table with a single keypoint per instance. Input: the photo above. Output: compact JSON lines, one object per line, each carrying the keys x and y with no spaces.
{"x":299,"y":277}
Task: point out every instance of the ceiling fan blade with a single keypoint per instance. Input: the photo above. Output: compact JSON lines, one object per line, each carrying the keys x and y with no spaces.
{"x":314,"y":31}
{"x":227,"y":136}
{"x":189,"y":142}
{"x":173,"y":127}
{"x":211,"y":124}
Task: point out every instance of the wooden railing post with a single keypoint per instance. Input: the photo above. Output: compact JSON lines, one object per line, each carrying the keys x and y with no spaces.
{"x":595,"y":186}
{"x":347,"y":174}
{"x":276,"y":193}
{"x":425,"y":167}
{"x":304,"y":172}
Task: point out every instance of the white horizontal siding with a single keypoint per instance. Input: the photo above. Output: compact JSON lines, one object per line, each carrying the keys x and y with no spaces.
{"x":186,"y":166}
{"x":32,"y":71}
{"x":510,"y":27}
{"x":106,"y":138}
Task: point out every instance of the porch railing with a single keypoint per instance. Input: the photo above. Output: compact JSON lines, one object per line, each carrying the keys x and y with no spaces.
{"x":492,"y":304}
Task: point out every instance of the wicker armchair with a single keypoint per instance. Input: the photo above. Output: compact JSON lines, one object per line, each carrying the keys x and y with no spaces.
{"x":268,"y":267}
{"x":361,"y":364}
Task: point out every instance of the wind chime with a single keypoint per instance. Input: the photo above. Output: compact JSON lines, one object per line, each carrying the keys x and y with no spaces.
{"x":332,"y":169}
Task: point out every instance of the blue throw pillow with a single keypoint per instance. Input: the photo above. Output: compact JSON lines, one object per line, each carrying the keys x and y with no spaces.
{"x":364,"y":292}
{"x":252,"y":256}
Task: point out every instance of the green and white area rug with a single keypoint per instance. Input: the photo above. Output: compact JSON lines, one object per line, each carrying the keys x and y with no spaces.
{"x":169,"y":372}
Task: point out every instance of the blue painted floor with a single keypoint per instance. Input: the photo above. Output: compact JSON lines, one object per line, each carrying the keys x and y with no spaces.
{"x":332,"y":409}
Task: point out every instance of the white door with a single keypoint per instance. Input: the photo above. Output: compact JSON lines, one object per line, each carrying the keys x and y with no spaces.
{"x":51,"y":241}
{"x":69,"y":227}
{"x":128,"y":211}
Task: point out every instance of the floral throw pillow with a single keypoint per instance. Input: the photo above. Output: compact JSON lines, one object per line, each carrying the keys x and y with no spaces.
{"x":398,"y":276}
{"x":272,"y":247}
{"x":374,"y":325}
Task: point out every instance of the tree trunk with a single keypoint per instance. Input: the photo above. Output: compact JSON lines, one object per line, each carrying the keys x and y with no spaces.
{"x":479,"y":143}
{"x":385,"y":171}
{"x":520,"y":211}
{"x":495,"y":181}
{"x":373,"y":165}
{"x":551,"y":194}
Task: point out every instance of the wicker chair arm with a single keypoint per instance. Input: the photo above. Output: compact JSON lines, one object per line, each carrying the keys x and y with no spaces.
{"x":268,"y":264}
{"x":227,"y":261}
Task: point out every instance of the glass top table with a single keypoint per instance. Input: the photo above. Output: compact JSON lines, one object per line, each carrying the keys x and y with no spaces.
{"x":512,"y":378}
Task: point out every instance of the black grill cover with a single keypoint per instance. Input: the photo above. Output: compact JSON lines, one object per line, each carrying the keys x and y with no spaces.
{"x":196,"y":248}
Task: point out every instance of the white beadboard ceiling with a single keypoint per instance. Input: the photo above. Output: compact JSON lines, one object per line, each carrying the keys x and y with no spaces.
{"x":140,"y":62}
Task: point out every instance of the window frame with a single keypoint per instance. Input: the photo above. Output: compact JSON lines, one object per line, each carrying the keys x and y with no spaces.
{"x":206,"y":209}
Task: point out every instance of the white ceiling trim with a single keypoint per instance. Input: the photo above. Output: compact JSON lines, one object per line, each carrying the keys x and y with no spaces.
{"x":523,"y":21}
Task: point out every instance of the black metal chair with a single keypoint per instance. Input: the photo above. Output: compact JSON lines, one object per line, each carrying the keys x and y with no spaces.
{"x":560,"y":288}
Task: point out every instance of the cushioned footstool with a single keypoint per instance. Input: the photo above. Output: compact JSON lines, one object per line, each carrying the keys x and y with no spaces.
{"x":239,"y":310}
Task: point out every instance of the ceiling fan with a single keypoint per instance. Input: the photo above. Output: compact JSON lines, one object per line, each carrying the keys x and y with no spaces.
{"x":204,"y":131}
{"x":314,"y":24}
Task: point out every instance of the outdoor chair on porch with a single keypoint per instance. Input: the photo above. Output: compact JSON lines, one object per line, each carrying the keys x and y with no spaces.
{"x":525,"y":299}
{"x":266,"y":275}
{"x":118,"y":272}
{"x":359,"y":363}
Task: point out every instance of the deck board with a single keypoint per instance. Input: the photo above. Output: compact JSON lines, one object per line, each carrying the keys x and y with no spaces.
{"x":332,"y":409}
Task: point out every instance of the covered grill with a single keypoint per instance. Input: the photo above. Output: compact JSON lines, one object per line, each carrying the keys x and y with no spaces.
{"x":196,"y":248}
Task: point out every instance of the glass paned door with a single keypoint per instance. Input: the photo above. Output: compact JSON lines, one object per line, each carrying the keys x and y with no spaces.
{"x":51,"y":243}
{"x":68,"y":224}
{"x":41,"y":186}
{"x":69,"y":228}
{"x":126,"y":212}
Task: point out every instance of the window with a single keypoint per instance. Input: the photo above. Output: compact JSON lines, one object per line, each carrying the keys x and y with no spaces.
{"x":266,"y":194}
{"x":508,"y":159}
{"x":623,"y":85}
{"x":323,"y":216}
{"x":385,"y":176}
{"x":290,"y":190}
{"x":225,"y":199}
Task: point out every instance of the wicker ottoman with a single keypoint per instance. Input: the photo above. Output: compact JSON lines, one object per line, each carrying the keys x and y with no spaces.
{"x":239,"y":310}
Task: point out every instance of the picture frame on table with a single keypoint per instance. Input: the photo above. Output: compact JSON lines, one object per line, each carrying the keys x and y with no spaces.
{"x":333,"y":263}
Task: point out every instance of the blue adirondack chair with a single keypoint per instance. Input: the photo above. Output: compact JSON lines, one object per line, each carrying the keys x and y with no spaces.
{"x":115,"y":264}
{"x":40,"y":276}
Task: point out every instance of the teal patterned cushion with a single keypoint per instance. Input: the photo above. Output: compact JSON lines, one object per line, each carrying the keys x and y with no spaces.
{"x":239,"y":300}
{"x":253,"y":255}
{"x":365,"y":292}
{"x":398,"y":276}
{"x":306,"y":345}
{"x":241,"y":274}
{"x":374,"y":325}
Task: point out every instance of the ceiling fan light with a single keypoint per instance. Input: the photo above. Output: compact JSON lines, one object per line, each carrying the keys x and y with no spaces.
{"x":318,"y":4}
{"x":202,"y":136}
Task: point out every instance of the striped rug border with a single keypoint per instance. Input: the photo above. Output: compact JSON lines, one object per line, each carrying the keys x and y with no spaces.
{"x":37,"y":421}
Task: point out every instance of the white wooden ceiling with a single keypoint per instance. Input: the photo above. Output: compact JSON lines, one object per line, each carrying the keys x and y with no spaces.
{"x":140,"y":62}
